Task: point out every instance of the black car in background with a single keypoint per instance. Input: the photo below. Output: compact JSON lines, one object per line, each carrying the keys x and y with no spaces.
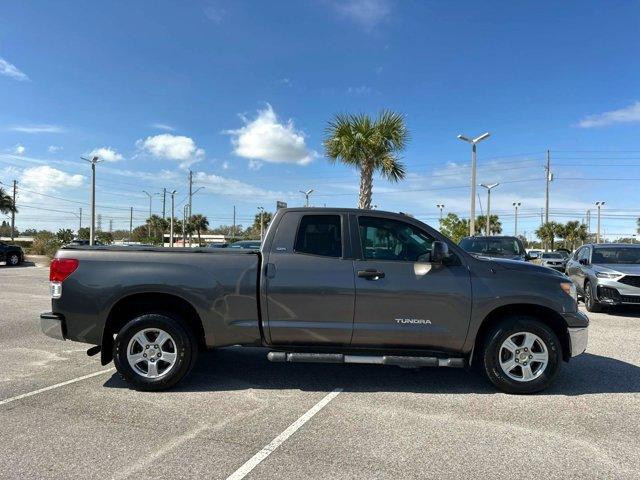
{"x":11,"y":255}
{"x":495,"y":246}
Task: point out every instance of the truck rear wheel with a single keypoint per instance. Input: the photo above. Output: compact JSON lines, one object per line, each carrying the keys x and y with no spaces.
{"x":154,"y":351}
{"x":522,"y":355}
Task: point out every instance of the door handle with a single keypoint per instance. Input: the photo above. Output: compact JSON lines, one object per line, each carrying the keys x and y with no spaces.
{"x":371,"y":274}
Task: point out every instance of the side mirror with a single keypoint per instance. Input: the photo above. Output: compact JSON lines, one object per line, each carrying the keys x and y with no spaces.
{"x":583,"y":261}
{"x":439,"y":251}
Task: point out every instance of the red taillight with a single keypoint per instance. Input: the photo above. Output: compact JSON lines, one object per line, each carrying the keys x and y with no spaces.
{"x":61,"y":268}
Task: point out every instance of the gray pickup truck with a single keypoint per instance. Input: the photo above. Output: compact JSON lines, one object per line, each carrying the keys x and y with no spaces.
{"x":328,"y":285}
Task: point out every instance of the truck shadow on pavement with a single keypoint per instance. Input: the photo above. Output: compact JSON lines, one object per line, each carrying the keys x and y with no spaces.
{"x":236,"y":368}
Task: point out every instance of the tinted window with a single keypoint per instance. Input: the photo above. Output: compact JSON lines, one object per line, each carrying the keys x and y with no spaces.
{"x":491,"y":246}
{"x":551,"y":255}
{"x":320,"y":235}
{"x":584,"y":254}
{"x":384,"y":239}
{"x":619,"y":255}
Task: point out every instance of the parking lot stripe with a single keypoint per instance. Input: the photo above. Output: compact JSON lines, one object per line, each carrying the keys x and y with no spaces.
{"x":52,"y":387}
{"x":254,"y":461}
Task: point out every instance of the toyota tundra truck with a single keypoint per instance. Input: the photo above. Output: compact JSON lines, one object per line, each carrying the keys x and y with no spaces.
{"x":327,"y":285}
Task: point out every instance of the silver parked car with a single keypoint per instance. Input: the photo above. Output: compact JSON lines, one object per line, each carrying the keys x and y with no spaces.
{"x":553,"y":260}
{"x":606,"y":274}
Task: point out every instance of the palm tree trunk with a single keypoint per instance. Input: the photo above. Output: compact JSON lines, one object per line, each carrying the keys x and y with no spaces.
{"x":366,"y":186}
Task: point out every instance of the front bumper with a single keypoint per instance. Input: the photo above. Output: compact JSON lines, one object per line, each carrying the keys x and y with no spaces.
{"x":609,"y":295}
{"x":578,"y":338}
{"x":52,"y":325}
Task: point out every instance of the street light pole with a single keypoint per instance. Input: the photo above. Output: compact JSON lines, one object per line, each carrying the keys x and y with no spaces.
{"x":515,"y":229}
{"x":149,"y":222}
{"x":306,"y":195}
{"x":489,"y":187}
{"x":599,"y":205}
{"x":473,"y":142}
{"x":94,"y":161}
{"x":173,"y":202}
{"x":261,"y":223}
{"x":440,"y":206}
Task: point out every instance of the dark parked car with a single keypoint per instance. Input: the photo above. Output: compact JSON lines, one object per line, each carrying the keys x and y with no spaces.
{"x":246,"y":245}
{"x":606,"y":274}
{"x":11,"y":255}
{"x":495,"y":247}
{"x":327,"y":286}
{"x":218,"y":245}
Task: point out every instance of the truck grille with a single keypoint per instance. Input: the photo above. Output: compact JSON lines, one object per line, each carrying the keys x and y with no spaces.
{"x":633,"y":280}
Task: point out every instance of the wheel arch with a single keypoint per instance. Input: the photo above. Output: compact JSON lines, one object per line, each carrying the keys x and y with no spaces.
{"x":136,"y":304}
{"x":546,"y":315}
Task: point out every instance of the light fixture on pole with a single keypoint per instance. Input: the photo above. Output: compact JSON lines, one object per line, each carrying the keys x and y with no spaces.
{"x":515,"y":229}
{"x":473,"y":142}
{"x":599,"y":205}
{"x":173,"y":205}
{"x":440,"y":206}
{"x":488,"y":187}
{"x":306,"y":196}
{"x":94,"y":161}
{"x":261,"y":209}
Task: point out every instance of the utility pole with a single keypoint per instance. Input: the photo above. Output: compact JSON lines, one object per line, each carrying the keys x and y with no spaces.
{"x":472,"y":212}
{"x":80,"y":217}
{"x":173,"y":204}
{"x":99,"y":222}
{"x":110,"y":225}
{"x":13,"y":212}
{"x":599,"y":205}
{"x":130,"y":223}
{"x":184,"y":225}
{"x":233,"y":232}
{"x":164,"y":201}
{"x":588,"y":221}
{"x":515,"y":229}
{"x":488,"y":222}
{"x":549,"y":179}
{"x":261,"y":223}
{"x":440,"y":206}
{"x":190,"y":204}
{"x":94,"y":161}
{"x":306,"y":195}
{"x":149,"y":221}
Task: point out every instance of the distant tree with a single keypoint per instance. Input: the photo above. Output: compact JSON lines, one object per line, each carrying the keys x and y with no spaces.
{"x":369,"y":145}
{"x":6,"y":203}
{"x":45,"y":243}
{"x":140,"y":234}
{"x":253,"y":232}
{"x":638,"y":225}
{"x":573,"y":233}
{"x":29,"y":232}
{"x":200,"y":223}
{"x":64,"y":235}
{"x":495,"y":226}
{"x":5,"y":229}
{"x":548,"y":232}
{"x":228,"y":231}
{"x":625,"y":240}
{"x":104,"y":237}
{"x":454,"y":227}
{"x":83,"y":233}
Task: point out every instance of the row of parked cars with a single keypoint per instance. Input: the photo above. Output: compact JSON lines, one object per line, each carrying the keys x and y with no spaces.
{"x":604,"y":274}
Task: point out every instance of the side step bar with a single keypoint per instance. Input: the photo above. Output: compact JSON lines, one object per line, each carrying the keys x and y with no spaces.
{"x":397,"y":360}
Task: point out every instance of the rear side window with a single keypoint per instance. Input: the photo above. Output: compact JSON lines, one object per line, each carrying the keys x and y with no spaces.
{"x":319,"y":235}
{"x":385,"y":239}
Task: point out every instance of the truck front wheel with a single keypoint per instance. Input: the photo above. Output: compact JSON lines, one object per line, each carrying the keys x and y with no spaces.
{"x":522,"y":355}
{"x":154,"y":351}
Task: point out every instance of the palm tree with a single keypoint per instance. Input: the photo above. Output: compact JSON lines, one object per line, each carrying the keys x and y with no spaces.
{"x":199,"y":223}
{"x":547,"y":233}
{"x":574,"y":232}
{"x":369,"y":145}
{"x":6,"y":203}
{"x":495,"y":226}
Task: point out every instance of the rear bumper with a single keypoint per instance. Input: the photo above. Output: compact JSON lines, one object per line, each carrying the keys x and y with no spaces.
{"x":52,"y":325}
{"x":578,"y":337}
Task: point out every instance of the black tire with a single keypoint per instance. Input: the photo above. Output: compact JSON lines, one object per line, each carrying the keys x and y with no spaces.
{"x":13,"y":259}
{"x":492,"y":351}
{"x":186,"y":350}
{"x":590,"y":302}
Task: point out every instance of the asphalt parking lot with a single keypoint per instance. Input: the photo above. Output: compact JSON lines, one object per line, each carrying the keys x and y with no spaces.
{"x":369,"y":422}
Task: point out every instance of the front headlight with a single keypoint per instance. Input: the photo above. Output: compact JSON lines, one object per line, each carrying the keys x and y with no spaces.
{"x":570,"y":289}
{"x":607,"y":275}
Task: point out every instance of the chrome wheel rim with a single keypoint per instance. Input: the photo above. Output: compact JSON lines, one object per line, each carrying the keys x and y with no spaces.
{"x":587,"y":295}
{"x":152,"y":353}
{"x":523,"y":356}
{"x":14,"y":259}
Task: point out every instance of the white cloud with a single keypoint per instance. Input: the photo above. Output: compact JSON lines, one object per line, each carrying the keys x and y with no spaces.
{"x":9,"y":70}
{"x":172,"y":147}
{"x":163,"y":126}
{"x":255,"y":164}
{"x":226,"y":165}
{"x":214,"y":14}
{"x":630,"y":114}
{"x":361,"y":90}
{"x":53,"y":148}
{"x":264,"y":138}
{"x":107,"y":154}
{"x":37,"y":128}
{"x":19,"y":149}
{"x":227,"y":186}
{"x":366,"y":13}
{"x":45,"y":179}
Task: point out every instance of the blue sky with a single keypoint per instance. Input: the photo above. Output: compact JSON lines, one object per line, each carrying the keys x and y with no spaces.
{"x":240,"y":92}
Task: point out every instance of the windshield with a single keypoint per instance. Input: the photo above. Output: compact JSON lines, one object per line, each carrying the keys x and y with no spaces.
{"x":628,"y":256}
{"x":505,"y":247}
{"x":552,"y":255}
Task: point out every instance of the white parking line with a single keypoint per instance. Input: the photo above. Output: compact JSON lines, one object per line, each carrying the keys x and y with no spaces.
{"x":52,"y":387}
{"x":254,"y":461}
